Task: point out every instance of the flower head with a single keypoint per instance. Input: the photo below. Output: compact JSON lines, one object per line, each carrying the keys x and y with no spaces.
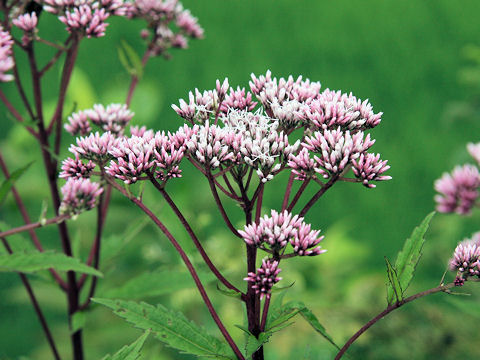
{"x":113,"y":118}
{"x":75,"y":168}
{"x":466,"y":259}
{"x":368,"y":167}
{"x":265,"y":278}
{"x":6,"y":59}
{"x":95,"y":147}
{"x":458,"y":191}
{"x":79,"y":195}
{"x":78,"y":124}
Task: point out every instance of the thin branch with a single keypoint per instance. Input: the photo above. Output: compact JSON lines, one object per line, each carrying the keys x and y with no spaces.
{"x":21,"y":92}
{"x":56,"y":220}
{"x":134,"y":80}
{"x":26,"y":219}
{"x":288,"y":190}
{"x":317,"y":196}
{"x":266,"y":305}
{"x":387,"y":311}
{"x":220,"y":206}
{"x":298,"y":194}
{"x":194,"y":238}
{"x":258,"y":211}
{"x":16,"y":114}
{"x":188,"y":264}
{"x":36,"y":306}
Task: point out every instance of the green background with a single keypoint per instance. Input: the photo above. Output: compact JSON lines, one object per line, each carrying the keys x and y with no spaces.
{"x":406,"y":57}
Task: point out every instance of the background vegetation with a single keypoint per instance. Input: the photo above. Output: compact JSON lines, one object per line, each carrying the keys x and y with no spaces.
{"x":408,"y":58}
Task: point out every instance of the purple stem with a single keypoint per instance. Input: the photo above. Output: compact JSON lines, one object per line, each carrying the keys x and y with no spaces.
{"x":134,"y":81}
{"x":220,"y":206}
{"x":317,"y":196}
{"x":265,"y":313}
{"x":28,"y":227}
{"x":298,"y":194}
{"x":26,"y":219}
{"x":16,"y":114}
{"x":36,"y":306}
{"x":387,"y":311}
{"x":194,"y":238}
{"x":188,"y":264}
{"x":288,"y":191}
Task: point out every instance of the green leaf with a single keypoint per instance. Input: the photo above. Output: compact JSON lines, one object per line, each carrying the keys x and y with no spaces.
{"x":77,"y":322}
{"x":129,"y":352}
{"x":156,"y":283}
{"x":229,"y":292}
{"x":170,"y":327}
{"x":8,"y":183}
{"x":28,"y":262}
{"x":408,"y":258}
{"x":253,"y":344}
{"x":393,"y":284}
{"x":130,"y":59}
{"x":279,"y":318}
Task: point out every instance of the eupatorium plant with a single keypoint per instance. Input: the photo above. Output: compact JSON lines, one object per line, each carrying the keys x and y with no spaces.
{"x":240,"y":140}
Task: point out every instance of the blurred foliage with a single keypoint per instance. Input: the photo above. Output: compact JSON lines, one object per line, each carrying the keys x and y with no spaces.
{"x":412,"y":59}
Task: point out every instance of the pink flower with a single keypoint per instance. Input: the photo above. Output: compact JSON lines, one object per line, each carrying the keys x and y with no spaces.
{"x":189,"y":24}
{"x":87,"y":20}
{"x":26,"y":22}
{"x":458,"y":191}
{"x":466,"y":259}
{"x":336,"y":149}
{"x":113,"y":118}
{"x":368,"y":167}
{"x":133,"y":157}
{"x":474,"y":151}
{"x":79,"y":195}
{"x":238,"y":100}
{"x":6,"y":59}
{"x":302,"y":165}
{"x":95,"y":147}
{"x":75,"y":168}
{"x":78,"y":124}
{"x":279,"y":230}
{"x":265,"y":278}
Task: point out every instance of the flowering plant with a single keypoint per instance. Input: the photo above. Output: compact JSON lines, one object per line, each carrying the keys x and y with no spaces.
{"x":243,"y":142}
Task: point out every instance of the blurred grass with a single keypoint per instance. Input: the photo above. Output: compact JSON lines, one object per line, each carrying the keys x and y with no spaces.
{"x":406,"y":57}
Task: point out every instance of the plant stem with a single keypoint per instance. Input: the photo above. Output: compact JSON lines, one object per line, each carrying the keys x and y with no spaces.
{"x":220,"y":206}
{"x":298,"y":194}
{"x":265,"y":313}
{"x":317,"y":196}
{"x":187,"y":263}
{"x":194,"y":238}
{"x":288,"y":191}
{"x":36,"y":306}
{"x":28,"y":227}
{"x":387,"y":311}
{"x":26,"y":219}
{"x":134,"y":81}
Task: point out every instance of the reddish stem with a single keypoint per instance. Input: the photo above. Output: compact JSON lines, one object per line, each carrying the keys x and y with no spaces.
{"x":387,"y":311}
{"x":188,"y":264}
{"x":134,"y":81}
{"x":288,"y":191}
{"x":317,"y":196}
{"x":298,"y":194}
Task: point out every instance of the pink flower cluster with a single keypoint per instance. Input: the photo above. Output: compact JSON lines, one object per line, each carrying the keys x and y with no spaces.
{"x":158,"y":153}
{"x":76,"y":169}
{"x":95,"y":147}
{"x":333,"y":129}
{"x":6,"y":59}
{"x":265,"y":278}
{"x":276,"y":231}
{"x":79,"y":194}
{"x":86,"y":17}
{"x":114,"y":118}
{"x":458,"y":191}
{"x":466,"y":259}
{"x":160,"y":15}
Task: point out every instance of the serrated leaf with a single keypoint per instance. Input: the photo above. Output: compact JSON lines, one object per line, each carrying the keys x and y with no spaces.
{"x":278,"y":319}
{"x":28,"y":262}
{"x":170,"y":327}
{"x":253,"y":344}
{"x":8,"y":183}
{"x":129,"y":352}
{"x":393,"y":285}
{"x":156,"y":283}
{"x":408,"y":258}
{"x":130,"y":59}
